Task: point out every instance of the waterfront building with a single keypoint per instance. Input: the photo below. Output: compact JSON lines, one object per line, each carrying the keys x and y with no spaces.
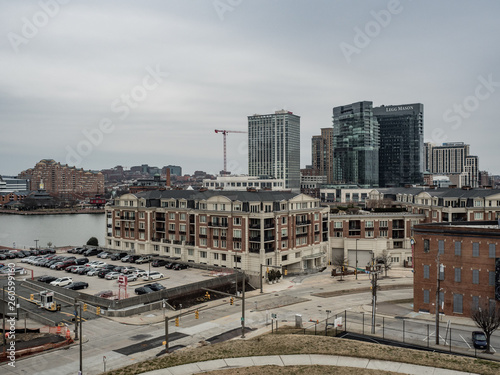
{"x":469,"y":270}
{"x":355,"y":145}
{"x":401,"y":154}
{"x":13,"y":184}
{"x":64,"y":181}
{"x":222,"y":228}
{"x":274,"y":147}
{"x":243,"y":183}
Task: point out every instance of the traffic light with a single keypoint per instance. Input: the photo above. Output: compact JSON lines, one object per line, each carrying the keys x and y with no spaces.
{"x":177,"y":322}
{"x":286,"y":272}
{"x":32,"y":297}
{"x":84,"y":307}
{"x":98,"y":310}
{"x":197,"y":314}
{"x":207,"y":295}
{"x":231,"y":301}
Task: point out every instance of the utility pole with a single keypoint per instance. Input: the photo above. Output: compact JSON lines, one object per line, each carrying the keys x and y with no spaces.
{"x":4,"y":303}
{"x":374,"y":274}
{"x":243,"y":307}
{"x":261,"y":287}
{"x":81,"y":343}
{"x":356,"y":269}
{"x":36,"y":244}
{"x":438,"y":269}
{"x":166,"y":334}
{"x":76,"y":320}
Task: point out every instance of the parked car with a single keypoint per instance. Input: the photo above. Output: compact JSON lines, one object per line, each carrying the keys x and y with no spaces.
{"x":179,"y":266}
{"x":62,"y":281}
{"x":131,"y":277}
{"x":83,"y":271}
{"x":479,"y":340}
{"x":77,"y":285}
{"x":118,"y":256}
{"x":139,"y":272}
{"x":76,"y":269}
{"x":47,"y":279}
{"x":144,"y":259}
{"x":91,"y":252}
{"x":93,"y":272}
{"x":143,"y":290}
{"x":65,"y":265}
{"x":82,"y":261}
{"x":112,"y":275}
{"x":128,"y":269}
{"x":159,"y":262}
{"x":155,"y":286}
{"x":103,"y":255}
{"x":153,"y":275}
{"x":170,"y":265}
{"x":70,"y":268}
{"x":103,"y":272}
{"x":133,"y":258}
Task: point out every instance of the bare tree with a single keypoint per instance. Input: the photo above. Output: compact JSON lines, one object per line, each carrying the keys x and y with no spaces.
{"x":486,"y":317}
{"x":340,"y":261}
{"x":385,"y":260}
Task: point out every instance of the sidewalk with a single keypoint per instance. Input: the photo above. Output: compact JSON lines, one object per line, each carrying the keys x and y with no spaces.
{"x":302,"y":360}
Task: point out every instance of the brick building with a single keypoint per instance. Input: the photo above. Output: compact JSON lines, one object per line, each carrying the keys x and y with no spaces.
{"x":226,"y":229}
{"x":468,"y":254}
{"x":64,"y":181}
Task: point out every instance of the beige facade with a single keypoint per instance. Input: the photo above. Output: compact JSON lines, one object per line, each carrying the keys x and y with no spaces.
{"x":224,"y":229}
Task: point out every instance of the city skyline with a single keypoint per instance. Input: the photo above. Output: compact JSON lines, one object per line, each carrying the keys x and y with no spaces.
{"x":148,"y":83}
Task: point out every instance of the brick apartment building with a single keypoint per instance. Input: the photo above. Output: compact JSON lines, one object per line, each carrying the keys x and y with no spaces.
{"x":468,"y":252}
{"x":222,"y":228}
{"x":64,"y":181}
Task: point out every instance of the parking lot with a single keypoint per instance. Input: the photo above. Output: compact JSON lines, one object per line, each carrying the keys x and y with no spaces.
{"x":171,"y":278}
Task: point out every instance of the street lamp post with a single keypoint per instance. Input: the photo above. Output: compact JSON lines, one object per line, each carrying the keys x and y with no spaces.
{"x":356,"y":270}
{"x":36,"y":244}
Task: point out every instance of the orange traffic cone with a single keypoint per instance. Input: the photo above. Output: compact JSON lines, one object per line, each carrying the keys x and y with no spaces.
{"x":67,"y":333}
{"x":58,"y":330}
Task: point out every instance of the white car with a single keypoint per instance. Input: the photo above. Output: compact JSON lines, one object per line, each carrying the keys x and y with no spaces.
{"x":93,"y":272}
{"x":103,"y":255}
{"x":139,"y":273}
{"x":96,"y":264}
{"x":153,"y":275}
{"x":27,"y":260}
{"x":62,"y":281}
{"x":112,"y":275}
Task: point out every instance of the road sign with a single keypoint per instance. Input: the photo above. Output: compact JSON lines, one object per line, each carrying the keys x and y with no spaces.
{"x":274,"y":316}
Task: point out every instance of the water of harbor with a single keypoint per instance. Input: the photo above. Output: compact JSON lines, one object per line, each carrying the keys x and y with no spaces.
{"x":21,"y":231}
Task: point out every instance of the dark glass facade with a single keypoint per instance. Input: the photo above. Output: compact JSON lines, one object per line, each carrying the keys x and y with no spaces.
{"x":355,"y":145}
{"x":401,"y":154}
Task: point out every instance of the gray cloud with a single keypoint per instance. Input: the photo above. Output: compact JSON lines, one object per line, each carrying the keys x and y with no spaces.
{"x":264,"y":55}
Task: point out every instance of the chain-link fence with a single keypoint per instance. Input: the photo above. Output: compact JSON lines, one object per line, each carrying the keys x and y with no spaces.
{"x":405,"y":332}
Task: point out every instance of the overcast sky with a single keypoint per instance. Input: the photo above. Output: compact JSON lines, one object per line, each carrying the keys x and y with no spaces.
{"x":103,"y":83}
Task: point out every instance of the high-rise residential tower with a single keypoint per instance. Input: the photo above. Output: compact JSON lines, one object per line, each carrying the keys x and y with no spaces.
{"x":401,"y":154}
{"x":322,"y":153}
{"x":355,"y":144}
{"x":274,"y":147}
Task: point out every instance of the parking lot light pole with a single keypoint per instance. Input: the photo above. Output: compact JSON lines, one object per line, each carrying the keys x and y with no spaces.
{"x":36,"y":244}
{"x":81,"y":335}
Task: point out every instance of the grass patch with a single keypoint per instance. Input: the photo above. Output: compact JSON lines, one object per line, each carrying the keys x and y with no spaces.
{"x":304,"y":344}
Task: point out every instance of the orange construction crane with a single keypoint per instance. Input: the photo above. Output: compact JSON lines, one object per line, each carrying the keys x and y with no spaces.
{"x":224,"y":133}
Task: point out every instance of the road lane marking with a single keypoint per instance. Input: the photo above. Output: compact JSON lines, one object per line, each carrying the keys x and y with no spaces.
{"x":465,"y":341}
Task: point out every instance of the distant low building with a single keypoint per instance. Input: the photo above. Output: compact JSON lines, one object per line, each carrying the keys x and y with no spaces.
{"x":243,"y":182}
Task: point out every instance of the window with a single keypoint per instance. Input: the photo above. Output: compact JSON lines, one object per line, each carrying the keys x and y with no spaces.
{"x":475,"y":276}
{"x":478,"y":216}
{"x":183,"y":217}
{"x":183,"y":204}
{"x":141,"y":215}
{"x":203,"y":219}
{"x":203,"y":242}
{"x":269,"y":261}
{"x":156,"y":247}
{"x":177,"y":250}
{"x":337,"y":224}
{"x":316,"y":216}
{"x":166,"y":249}
{"x":237,"y":245}
{"x":441,"y":246}
{"x":190,"y":252}
{"x":216,"y":256}
{"x":237,"y":207}
{"x":171,"y":227}
{"x":434,"y":214}
{"x":237,"y":221}
{"x":475,"y":302}
{"x":203,"y":254}
{"x":283,"y":220}
{"x":216,"y":243}
{"x":141,"y":235}
{"x":369,"y":224}
{"x":203,"y":230}
{"x":475,"y":249}
{"x":223,"y":244}
{"x":383,"y":224}
{"x":141,"y":225}
{"x":426,"y":246}
{"x":457,"y":303}
{"x":492,"y":250}
{"x":426,"y":296}
{"x":171,"y":216}
{"x":182,"y":228}
{"x":117,"y":243}
{"x":383,"y":233}
{"x":236,"y":233}
{"x":284,"y":258}
{"x":223,"y":257}
{"x":284,"y":232}
{"x":117,"y":232}
{"x":458,"y":248}
{"x":491,"y":278}
{"x":369,"y":234}
{"x":426,"y":271}
{"x":458,"y":275}
{"x":394,"y":259}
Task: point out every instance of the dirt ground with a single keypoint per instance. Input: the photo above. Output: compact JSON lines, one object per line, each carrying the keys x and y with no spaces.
{"x":299,"y":370}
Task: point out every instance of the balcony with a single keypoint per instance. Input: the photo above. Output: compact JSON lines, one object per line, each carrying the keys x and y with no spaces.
{"x":109,"y":225}
{"x":202,"y":235}
{"x":127,"y":217}
{"x":255,"y":239}
{"x":268,"y":238}
{"x":302,"y":223}
{"x":236,"y":238}
{"x":218,"y":224}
